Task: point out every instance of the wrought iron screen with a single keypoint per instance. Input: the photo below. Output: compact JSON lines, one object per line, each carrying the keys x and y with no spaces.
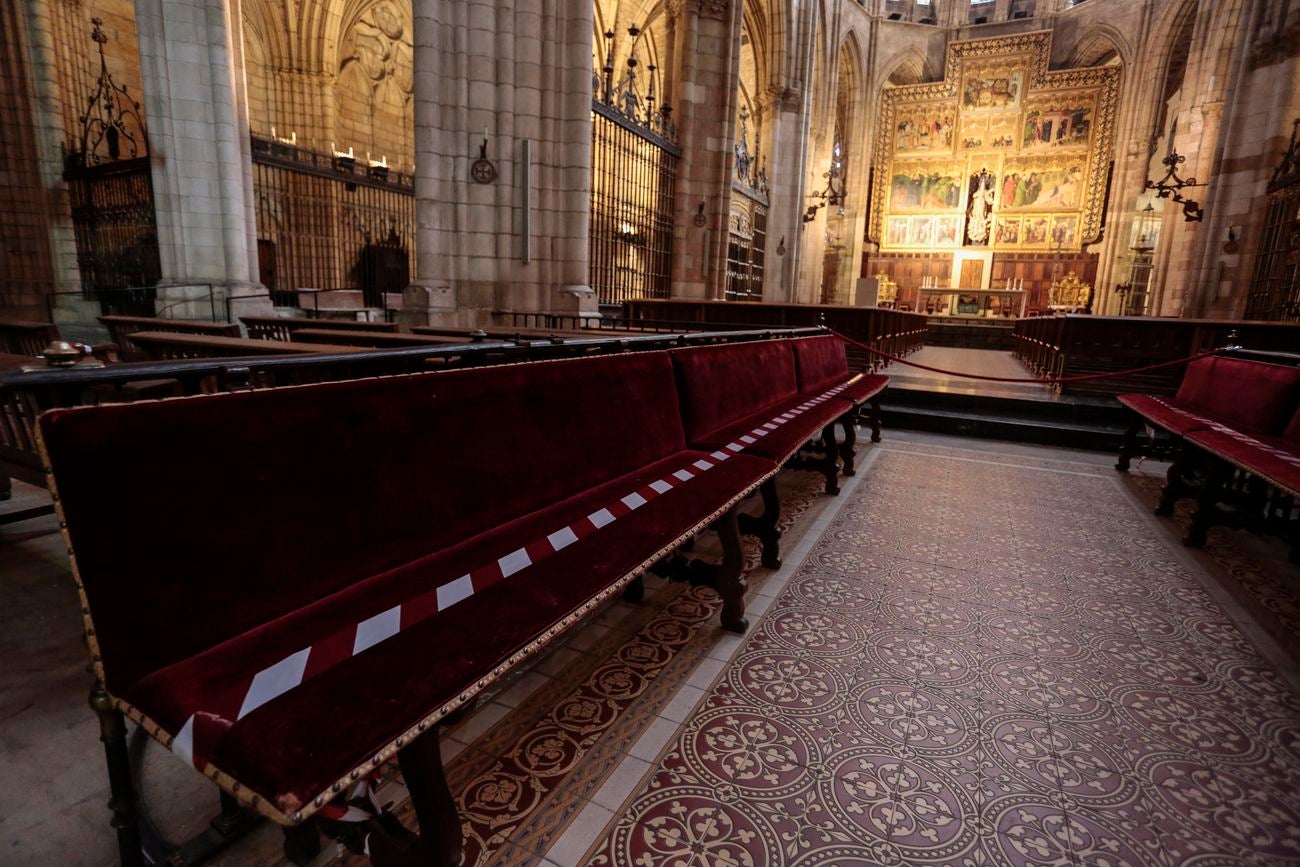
{"x":746,"y":245}
{"x":1275,"y":290}
{"x":633,"y":174}
{"x":327,"y":222}
{"x":110,"y":188}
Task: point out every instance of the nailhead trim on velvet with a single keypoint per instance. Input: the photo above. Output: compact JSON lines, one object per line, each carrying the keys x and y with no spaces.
{"x":275,"y":680}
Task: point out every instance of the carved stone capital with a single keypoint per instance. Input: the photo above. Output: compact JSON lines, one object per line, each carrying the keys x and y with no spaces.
{"x":785,"y":98}
{"x":713,"y":8}
{"x":674,"y":9}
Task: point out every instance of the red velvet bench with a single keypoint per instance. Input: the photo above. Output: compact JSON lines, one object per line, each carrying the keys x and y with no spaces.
{"x":1237,"y":412}
{"x":293,"y":586}
{"x":750,"y":398}
{"x":821,"y":362}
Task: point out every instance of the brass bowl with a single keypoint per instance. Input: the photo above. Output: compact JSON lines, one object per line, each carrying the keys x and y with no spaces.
{"x":61,"y":353}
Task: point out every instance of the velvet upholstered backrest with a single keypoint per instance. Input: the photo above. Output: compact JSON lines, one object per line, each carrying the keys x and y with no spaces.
{"x":1253,"y":396}
{"x":1292,"y":432}
{"x":722,"y":384}
{"x":820,"y":362}
{"x":196,"y":519}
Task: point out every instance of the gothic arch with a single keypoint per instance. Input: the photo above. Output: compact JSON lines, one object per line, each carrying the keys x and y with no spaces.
{"x":1100,"y":45}
{"x":907,"y":66}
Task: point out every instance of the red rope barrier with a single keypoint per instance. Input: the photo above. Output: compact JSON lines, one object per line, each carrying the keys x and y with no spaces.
{"x":1037,"y":380}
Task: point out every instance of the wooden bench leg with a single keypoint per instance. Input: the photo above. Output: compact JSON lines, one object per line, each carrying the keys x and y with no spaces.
{"x":1129,"y":448}
{"x":849,"y":423}
{"x":731,"y":576}
{"x":122,"y":799}
{"x":874,"y":419}
{"x":441,"y":838}
{"x":831,"y":464}
{"x":1176,"y":485}
{"x":768,"y":533}
{"x":1207,"y":503}
{"x":634,"y":592}
{"x":302,"y":843}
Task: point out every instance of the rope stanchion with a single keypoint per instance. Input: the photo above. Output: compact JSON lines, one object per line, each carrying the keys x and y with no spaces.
{"x":1059,"y":380}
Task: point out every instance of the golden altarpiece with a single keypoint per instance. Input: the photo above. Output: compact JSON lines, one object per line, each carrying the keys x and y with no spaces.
{"x":1001,"y":158}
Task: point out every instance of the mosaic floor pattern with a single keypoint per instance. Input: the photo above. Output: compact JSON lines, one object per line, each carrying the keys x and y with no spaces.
{"x":981,"y":662}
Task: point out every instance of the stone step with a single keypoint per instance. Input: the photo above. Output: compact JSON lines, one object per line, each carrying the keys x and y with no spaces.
{"x":1091,"y":424}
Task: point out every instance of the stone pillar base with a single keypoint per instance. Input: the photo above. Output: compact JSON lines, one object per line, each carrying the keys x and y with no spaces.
{"x":212,"y":302}
{"x":75,"y":310}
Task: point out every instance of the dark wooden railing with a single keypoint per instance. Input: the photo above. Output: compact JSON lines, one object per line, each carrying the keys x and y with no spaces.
{"x":892,"y":331}
{"x":282,"y":327}
{"x":1075,"y":345}
{"x":26,"y":338}
{"x":120,"y":329}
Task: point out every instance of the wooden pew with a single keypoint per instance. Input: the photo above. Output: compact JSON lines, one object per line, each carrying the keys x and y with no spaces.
{"x":120,"y":329}
{"x":28,"y":339}
{"x":1077,"y":345}
{"x":282,"y":327}
{"x":893,"y":331}
{"x":1231,"y":416}
{"x":164,"y":346}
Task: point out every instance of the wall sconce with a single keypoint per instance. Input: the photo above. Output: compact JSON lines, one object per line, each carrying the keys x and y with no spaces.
{"x":700,"y":219}
{"x":1171,"y":186}
{"x":483,"y":171}
{"x":1231,"y":246}
{"x":833,"y":195}
{"x":780,"y":248}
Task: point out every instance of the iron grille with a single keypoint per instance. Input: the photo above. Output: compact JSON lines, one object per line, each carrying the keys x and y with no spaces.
{"x":633,"y":173}
{"x":746,"y":246}
{"x":326,"y":222}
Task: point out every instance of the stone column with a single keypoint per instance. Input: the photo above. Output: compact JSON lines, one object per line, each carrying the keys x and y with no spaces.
{"x":519,"y":73}
{"x":707,"y":52}
{"x":192,"y":66}
{"x":785,"y":193}
{"x":69,"y":306}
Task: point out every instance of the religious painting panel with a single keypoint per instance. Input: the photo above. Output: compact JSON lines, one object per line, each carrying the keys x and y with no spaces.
{"x":1058,"y":121}
{"x":926,"y":186}
{"x":996,"y":85}
{"x":946,"y":230}
{"x":1035,"y":231}
{"x":923,"y":231}
{"x":924,"y":128}
{"x":1002,"y":131}
{"x":1007,"y":232}
{"x":1065,"y":230}
{"x":898,"y":233}
{"x":1043,"y":183}
{"x":974,"y":134}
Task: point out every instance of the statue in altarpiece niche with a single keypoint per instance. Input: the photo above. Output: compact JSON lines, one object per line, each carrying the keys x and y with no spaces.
{"x":979,"y":214}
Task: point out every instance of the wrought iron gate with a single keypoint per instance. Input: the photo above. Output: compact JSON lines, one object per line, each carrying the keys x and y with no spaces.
{"x":633,"y":177}
{"x":111,"y":190}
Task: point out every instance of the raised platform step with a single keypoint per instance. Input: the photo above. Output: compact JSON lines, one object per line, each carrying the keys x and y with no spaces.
{"x":971,"y":334}
{"x":1092,"y":424}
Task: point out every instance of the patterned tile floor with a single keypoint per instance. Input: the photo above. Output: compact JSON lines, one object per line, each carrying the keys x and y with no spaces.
{"x":978,"y":654}
{"x":981,"y":662}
